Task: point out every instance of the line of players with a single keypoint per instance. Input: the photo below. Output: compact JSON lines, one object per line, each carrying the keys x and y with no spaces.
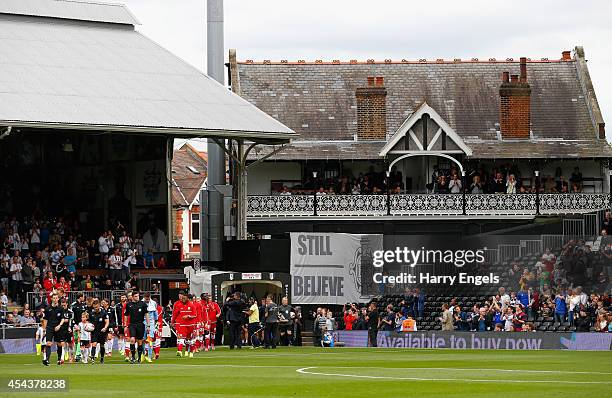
{"x":194,"y":320}
{"x":87,"y":328}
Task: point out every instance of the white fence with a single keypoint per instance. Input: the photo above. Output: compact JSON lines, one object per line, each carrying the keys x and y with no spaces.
{"x":529,"y":247}
{"x":35,"y":299}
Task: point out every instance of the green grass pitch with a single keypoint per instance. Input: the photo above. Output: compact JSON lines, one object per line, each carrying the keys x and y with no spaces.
{"x":340,"y":372}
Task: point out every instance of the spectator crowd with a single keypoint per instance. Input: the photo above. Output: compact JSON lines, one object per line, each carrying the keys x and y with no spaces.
{"x":40,"y":254}
{"x":504,"y":179}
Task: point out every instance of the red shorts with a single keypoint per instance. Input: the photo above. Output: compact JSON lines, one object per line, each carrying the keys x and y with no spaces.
{"x":185,"y":331}
{"x":212,"y":327}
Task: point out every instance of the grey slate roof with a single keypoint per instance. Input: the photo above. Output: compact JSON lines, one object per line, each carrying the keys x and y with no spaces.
{"x":317,"y":100}
{"x":187,"y":184}
{"x":62,"y":73}
{"x":304,"y":149}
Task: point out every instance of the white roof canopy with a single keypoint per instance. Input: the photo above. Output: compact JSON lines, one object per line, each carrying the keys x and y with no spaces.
{"x":70,"y":9}
{"x":57,"y":70}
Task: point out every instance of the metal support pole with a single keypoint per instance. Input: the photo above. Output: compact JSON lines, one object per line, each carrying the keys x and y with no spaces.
{"x":610,"y":190}
{"x":314,"y":190}
{"x":241,"y":203}
{"x":537,"y":184}
{"x":388,"y":173}
{"x":463,"y":180}
{"x":216,"y":153}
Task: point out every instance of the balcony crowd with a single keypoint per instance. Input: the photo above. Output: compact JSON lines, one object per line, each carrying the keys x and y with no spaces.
{"x":478,"y":180}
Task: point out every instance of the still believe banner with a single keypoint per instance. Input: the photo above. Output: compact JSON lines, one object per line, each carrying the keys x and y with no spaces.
{"x":326,"y":267}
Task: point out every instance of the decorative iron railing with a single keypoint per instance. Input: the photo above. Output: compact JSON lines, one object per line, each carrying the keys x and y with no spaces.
{"x":500,"y":204}
{"x":280,"y":206}
{"x":424,"y":204}
{"x":573,"y":202}
{"x":351,"y":205}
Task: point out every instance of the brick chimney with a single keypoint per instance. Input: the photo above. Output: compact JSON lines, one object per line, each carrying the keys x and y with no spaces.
{"x":372,"y":110}
{"x":566,"y":56}
{"x":515,"y":105}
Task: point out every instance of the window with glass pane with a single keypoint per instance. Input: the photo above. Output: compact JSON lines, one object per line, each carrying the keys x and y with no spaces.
{"x":195,"y":226}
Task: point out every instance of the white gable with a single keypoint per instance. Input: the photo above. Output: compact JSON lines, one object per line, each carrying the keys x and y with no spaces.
{"x":406,"y":132}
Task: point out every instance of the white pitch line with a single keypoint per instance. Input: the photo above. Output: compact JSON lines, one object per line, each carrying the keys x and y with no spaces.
{"x":305,"y":371}
{"x":389,"y":368}
{"x":473,"y":369}
{"x":361,"y":367}
{"x":222,"y":365}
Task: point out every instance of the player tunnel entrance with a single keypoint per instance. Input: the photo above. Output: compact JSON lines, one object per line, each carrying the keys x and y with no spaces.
{"x":252,"y":284}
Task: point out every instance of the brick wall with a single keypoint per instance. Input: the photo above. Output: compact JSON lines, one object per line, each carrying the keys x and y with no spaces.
{"x":178,"y":223}
{"x":372,"y":110}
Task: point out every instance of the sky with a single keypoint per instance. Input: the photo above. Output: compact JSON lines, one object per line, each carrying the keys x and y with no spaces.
{"x":391,"y":29}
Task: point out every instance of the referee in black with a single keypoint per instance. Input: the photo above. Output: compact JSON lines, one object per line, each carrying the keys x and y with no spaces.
{"x":136,"y":311}
{"x":54,"y":319}
{"x":99,"y":317}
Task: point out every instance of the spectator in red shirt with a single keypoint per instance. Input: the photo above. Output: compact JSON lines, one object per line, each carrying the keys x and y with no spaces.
{"x":62,"y":284}
{"x":349,"y":318}
{"x":49,"y":282}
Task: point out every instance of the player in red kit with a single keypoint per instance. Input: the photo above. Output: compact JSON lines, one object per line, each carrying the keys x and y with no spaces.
{"x":184,"y":321}
{"x":201,"y":323}
{"x":123,"y":332}
{"x":158,"y":332}
{"x":213,"y":312}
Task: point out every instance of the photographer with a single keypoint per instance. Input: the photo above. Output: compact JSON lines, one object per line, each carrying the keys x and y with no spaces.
{"x":286,"y":313}
{"x":271,"y":324}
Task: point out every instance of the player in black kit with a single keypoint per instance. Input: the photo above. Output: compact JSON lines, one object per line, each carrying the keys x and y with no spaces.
{"x":77,"y":307}
{"x":55,"y":317}
{"x":136,"y":312}
{"x":65,"y":332}
{"x":99,"y":318}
